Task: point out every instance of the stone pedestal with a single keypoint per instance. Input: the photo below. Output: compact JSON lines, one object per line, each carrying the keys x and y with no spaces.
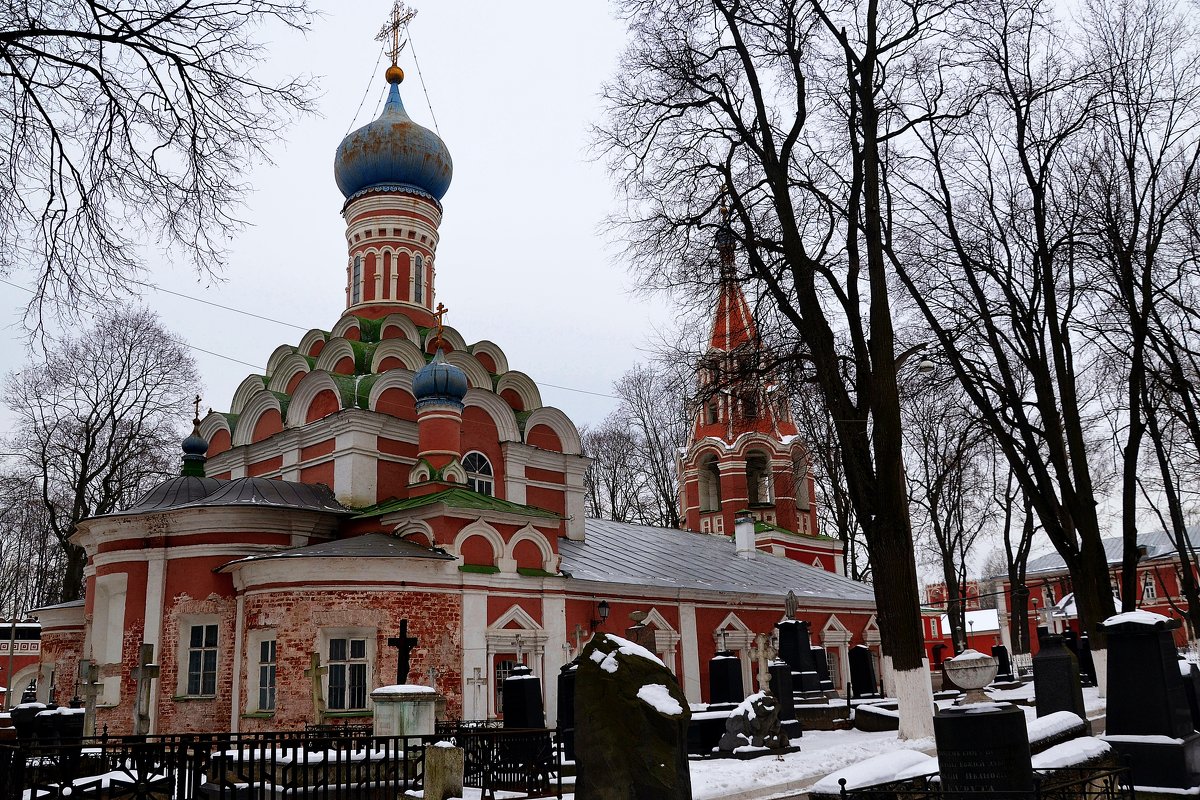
{"x":404,"y":710}
{"x":725,"y":679}
{"x":1148,"y":719}
{"x":821,"y":662}
{"x":1087,"y":664}
{"x":1056,"y":685}
{"x":983,"y":746}
{"x":444,"y":765}
{"x":523,"y":700}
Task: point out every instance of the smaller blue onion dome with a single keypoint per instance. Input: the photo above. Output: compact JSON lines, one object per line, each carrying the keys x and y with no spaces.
{"x":440,"y":382}
{"x":393,"y":151}
{"x":194,"y":448}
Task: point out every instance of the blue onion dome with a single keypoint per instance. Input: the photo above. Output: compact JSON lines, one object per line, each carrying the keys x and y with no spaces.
{"x":439,"y":382}
{"x":393,"y":152}
{"x":194,"y":448}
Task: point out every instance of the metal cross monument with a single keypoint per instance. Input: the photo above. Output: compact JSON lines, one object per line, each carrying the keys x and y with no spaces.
{"x":404,"y":645}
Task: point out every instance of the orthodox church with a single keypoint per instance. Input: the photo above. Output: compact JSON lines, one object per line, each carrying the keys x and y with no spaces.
{"x":385,"y":475}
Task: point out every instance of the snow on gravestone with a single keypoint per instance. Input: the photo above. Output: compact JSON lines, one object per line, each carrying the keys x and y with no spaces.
{"x":631,"y":721}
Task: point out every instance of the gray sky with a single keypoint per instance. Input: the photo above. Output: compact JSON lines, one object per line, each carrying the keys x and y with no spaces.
{"x":522,"y":259}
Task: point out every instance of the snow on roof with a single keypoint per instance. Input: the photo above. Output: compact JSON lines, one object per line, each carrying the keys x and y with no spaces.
{"x":1158,"y":544}
{"x":1137,"y":618}
{"x":984,"y":620}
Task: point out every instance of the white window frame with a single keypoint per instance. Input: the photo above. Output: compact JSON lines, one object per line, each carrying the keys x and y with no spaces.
{"x":183,"y":654}
{"x":254,"y":641}
{"x":1149,"y":586}
{"x":418,"y":293}
{"x":474,"y":476}
{"x":367,"y":634}
{"x":356,"y":280}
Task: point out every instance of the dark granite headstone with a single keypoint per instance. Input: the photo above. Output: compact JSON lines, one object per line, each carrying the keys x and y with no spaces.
{"x":1147,"y":715}
{"x":796,"y":650}
{"x":523,"y":699}
{"x":1003,"y":662}
{"x":725,"y":679}
{"x":1087,"y":665}
{"x":781,"y":687}
{"x":1042,"y":632}
{"x":821,"y":661}
{"x":1071,"y":641}
{"x":983,"y":749}
{"x":863,"y":682}
{"x":566,"y":707}
{"x":1056,"y":684}
{"x":625,"y":745}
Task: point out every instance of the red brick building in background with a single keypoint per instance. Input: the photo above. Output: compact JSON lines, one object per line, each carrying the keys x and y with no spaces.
{"x":387,"y":470}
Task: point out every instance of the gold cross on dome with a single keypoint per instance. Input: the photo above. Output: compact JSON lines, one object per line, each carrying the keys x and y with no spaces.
{"x":439,"y":313}
{"x":401,"y":16}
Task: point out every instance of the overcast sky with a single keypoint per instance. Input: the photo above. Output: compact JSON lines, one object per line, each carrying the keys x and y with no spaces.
{"x":523,"y":260}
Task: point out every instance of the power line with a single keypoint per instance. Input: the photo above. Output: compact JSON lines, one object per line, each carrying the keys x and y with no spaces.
{"x":421,"y":76}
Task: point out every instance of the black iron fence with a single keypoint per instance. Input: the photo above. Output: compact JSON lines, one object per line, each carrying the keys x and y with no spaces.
{"x":314,"y":764}
{"x":1075,"y":783}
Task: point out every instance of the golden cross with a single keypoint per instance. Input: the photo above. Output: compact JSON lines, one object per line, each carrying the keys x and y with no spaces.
{"x":439,"y":313}
{"x":401,"y":16}
{"x":196,"y":403}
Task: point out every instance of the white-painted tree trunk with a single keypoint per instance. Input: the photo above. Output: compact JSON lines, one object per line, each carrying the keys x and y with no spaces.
{"x":1100,"y":659}
{"x":913,"y":690}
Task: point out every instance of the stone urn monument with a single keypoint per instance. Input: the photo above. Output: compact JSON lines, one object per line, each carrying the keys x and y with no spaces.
{"x":971,"y":670}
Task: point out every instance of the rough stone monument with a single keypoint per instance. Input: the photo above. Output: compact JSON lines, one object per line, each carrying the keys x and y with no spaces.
{"x":566,"y":707}
{"x":631,"y":721}
{"x":1056,"y":683}
{"x":753,"y":725}
{"x":1148,"y":720}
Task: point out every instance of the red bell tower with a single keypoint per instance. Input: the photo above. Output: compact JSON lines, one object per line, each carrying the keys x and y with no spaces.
{"x":744,"y":452}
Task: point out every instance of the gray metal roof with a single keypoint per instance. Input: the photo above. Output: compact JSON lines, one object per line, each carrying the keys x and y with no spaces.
{"x":265,"y":492}
{"x":370,"y":545}
{"x":177,"y":491}
{"x":1158,"y":545}
{"x":620,"y":552}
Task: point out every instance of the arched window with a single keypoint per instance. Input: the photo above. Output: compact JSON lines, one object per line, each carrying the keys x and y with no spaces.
{"x":713,"y":411}
{"x":418,"y":279}
{"x":479,"y":472}
{"x":758,"y":479}
{"x":749,"y":406}
{"x":356,"y":281}
{"x":710,"y":484}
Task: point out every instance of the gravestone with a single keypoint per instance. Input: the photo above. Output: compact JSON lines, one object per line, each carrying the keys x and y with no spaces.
{"x":863,"y":682}
{"x":781,"y":687}
{"x":1071,"y":641}
{"x":1056,"y":684}
{"x":523,"y":699}
{"x":1148,"y":720}
{"x":1003,"y":662}
{"x":1087,"y":665}
{"x":444,"y":768}
{"x":145,"y":672}
{"x":983,"y":747}
{"x":631,"y":721}
{"x":755,"y":723}
{"x":404,"y":645}
{"x":821,"y":661}
{"x":566,"y":707}
{"x":796,"y":650}
{"x":725,"y":679}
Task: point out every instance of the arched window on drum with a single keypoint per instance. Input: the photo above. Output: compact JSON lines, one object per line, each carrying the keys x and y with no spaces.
{"x":479,"y":472}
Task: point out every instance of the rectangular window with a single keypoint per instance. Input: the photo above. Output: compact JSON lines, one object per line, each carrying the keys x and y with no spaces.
{"x":347,"y":674}
{"x":202,"y":660}
{"x":1149,"y":589}
{"x":266,"y":675}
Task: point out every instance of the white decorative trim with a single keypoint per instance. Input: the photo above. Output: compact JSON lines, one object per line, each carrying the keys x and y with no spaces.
{"x":532,"y":534}
{"x":259,"y":404}
{"x":557,"y":421}
{"x":492,"y":349}
{"x":309,"y":339}
{"x":739,"y":638}
{"x":311,"y":385}
{"x":335,"y":350}
{"x":450,"y":336}
{"x":479,"y":528}
{"x":500,"y":412}
{"x":524,"y":386}
{"x":416,"y":527}
{"x":392,"y":379}
{"x":278,"y":356}
{"x":411,"y":334}
{"x":408,"y":353}
{"x":477,"y":376}
{"x":286,"y":369}
{"x":250,"y":386}
{"x":216,"y":421}
{"x":346,"y":323}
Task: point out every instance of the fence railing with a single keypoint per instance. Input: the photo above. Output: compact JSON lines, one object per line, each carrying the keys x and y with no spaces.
{"x":315,"y":764}
{"x":1075,"y":783}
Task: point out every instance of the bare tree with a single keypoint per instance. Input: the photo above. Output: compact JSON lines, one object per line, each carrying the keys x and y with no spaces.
{"x":950,"y":484}
{"x":31,"y":561}
{"x":118,"y":119}
{"x":97,"y":420}
{"x":716,"y":93}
